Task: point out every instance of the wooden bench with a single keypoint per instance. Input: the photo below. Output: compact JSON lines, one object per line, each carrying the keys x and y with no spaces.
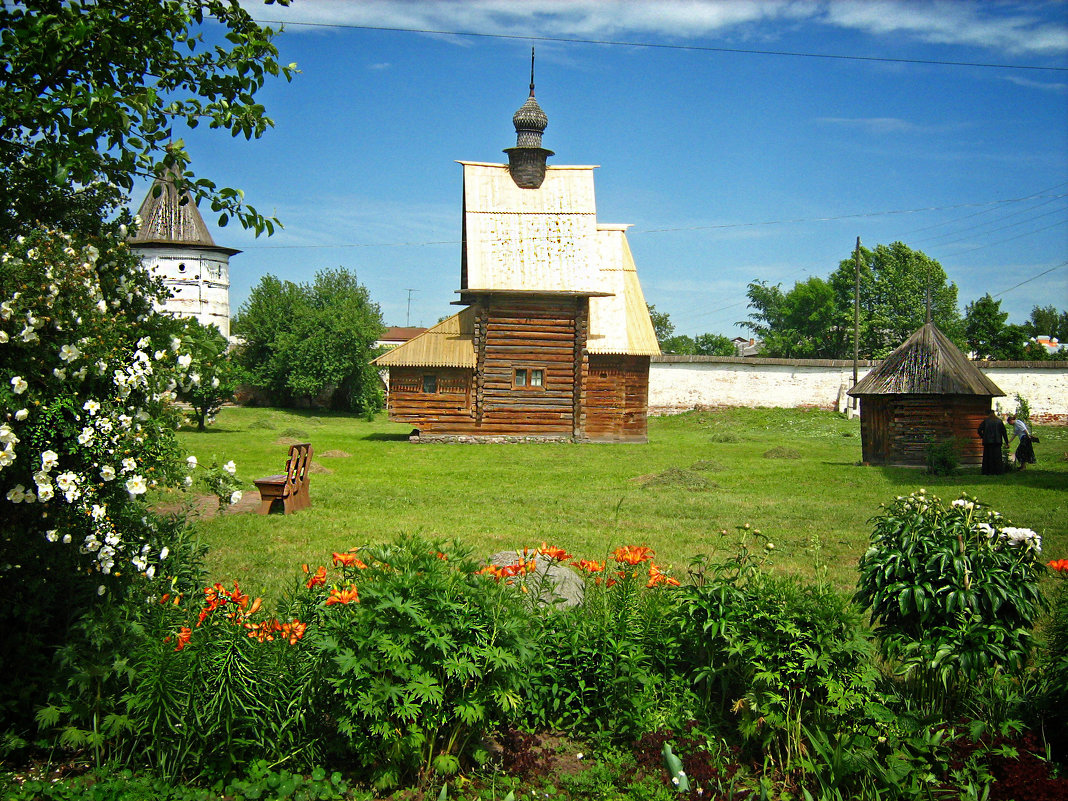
{"x":290,"y":487}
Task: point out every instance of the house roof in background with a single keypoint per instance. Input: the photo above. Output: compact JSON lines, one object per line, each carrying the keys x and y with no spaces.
{"x":450,"y":343}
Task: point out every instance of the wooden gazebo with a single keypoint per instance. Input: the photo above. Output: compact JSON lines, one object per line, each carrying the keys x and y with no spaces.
{"x":925,"y":391}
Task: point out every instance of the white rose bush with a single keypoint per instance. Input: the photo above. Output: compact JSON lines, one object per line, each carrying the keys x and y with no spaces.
{"x":88,"y":378}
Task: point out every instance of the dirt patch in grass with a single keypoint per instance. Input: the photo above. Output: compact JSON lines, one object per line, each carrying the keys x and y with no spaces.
{"x":781,"y":452}
{"x":317,"y":468}
{"x":335,"y":455}
{"x":287,"y":441}
{"x":300,"y":434}
{"x":676,"y":477}
{"x":203,"y":506}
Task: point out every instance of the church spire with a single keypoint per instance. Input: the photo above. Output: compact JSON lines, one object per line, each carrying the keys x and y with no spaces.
{"x":526,"y":161}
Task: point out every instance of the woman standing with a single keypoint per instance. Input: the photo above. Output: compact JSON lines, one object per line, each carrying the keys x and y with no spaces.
{"x":1025,"y":452}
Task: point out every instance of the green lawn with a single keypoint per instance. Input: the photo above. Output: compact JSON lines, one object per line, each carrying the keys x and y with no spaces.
{"x":793,"y":474}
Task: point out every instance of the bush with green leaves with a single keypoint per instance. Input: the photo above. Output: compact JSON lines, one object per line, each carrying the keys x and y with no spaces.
{"x":952,"y":591}
{"x":211,"y":378}
{"x":606,"y":666}
{"x":782,"y":657}
{"x":1051,"y":701}
{"x":422,"y":654}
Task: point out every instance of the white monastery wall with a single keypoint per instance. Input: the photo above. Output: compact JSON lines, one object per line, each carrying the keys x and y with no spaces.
{"x":681,"y":383}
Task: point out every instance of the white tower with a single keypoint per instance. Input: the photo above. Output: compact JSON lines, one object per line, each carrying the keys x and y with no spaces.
{"x":175,"y":245}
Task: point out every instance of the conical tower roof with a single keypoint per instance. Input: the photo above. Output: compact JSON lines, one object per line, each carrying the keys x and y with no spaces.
{"x":928,"y":363}
{"x":170,"y":218}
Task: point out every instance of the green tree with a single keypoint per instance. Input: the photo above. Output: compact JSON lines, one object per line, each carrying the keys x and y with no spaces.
{"x":988,"y":334}
{"x":303,"y":340}
{"x":211,"y":379}
{"x":805,"y":322}
{"x":894,"y":281}
{"x":91,"y":94}
{"x":713,"y":345}
{"x":679,"y":345}
{"x":662,"y":325}
{"x":1047,"y":321}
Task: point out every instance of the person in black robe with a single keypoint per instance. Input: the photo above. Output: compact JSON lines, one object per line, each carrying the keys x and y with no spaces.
{"x":992,"y":432}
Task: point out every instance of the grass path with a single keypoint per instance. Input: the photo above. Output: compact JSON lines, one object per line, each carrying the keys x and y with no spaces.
{"x":793,"y":474}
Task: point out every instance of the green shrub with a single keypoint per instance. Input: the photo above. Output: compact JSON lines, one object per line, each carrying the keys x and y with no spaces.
{"x":1051,"y":702}
{"x":943,"y":457}
{"x":421,"y":655}
{"x":608,"y":665}
{"x":781,"y":656}
{"x":953,"y":593}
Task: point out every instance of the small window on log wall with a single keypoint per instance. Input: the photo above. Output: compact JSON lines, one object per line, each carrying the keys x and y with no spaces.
{"x":528,"y":378}
{"x":430,"y":384}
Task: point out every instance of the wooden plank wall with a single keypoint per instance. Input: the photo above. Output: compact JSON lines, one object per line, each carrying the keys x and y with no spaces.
{"x":447,"y":410}
{"x":535,"y":334}
{"x":896,"y":429}
{"x":617,"y":398}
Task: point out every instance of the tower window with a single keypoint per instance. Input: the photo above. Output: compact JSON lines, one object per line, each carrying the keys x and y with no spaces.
{"x":181,"y":267}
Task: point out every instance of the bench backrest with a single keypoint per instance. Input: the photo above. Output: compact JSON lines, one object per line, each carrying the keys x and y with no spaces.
{"x":297,"y":465}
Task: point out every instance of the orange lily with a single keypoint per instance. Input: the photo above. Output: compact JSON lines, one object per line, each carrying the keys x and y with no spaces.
{"x":633,"y":554}
{"x":344,"y":596}
{"x":293,"y":631}
{"x":553,"y":552}
{"x":657,"y":576}
{"x":348,"y":560}
{"x":1060,"y":565}
{"x":184,"y":635}
{"x":317,"y":579}
{"x":589,"y":566}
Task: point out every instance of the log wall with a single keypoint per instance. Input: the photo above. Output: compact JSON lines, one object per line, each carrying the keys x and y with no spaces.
{"x":536,"y":334}
{"x":447,"y":410}
{"x":896,"y":429}
{"x":617,"y":398}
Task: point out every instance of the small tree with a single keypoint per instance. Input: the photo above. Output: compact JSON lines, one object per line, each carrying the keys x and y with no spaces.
{"x":211,"y":377}
{"x":988,"y":334}
{"x":713,"y":345}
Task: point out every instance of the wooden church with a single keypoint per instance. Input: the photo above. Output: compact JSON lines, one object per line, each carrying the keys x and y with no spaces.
{"x":554,"y":338}
{"x":925,"y":391}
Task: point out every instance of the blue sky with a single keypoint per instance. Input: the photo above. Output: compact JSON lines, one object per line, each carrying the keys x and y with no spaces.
{"x":732,"y":165}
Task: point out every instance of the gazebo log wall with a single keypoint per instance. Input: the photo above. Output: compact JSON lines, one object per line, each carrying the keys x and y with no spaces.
{"x":896,"y":429}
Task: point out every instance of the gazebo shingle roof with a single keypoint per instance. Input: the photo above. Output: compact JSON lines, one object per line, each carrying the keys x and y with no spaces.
{"x":928,"y":363}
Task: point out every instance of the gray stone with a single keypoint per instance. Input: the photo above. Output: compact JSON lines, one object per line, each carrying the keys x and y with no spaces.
{"x":555,"y":583}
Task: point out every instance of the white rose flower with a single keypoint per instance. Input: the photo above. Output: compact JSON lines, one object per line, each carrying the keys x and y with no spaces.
{"x":67,"y":481}
{"x":91,"y":406}
{"x":7,"y":436}
{"x":16,"y":494}
{"x":7,"y":456}
{"x":144,"y":342}
{"x":49,"y":459}
{"x":164,"y":552}
{"x":66,"y":539}
{"x":175,"y":344}
{"x":188,"y":481}
{"x":235,"y":497}
{"x":4,"y":338}
{"x":99,"y":512}
{"x":128,"y":465}
{"x":107,"y":472}
{"x":69,"y":353}
{"x":19,"y":385}
{"x":52,"y":535}
{"x":230,"y":467}
{"x":59,"y":373}
{"x":22,"y":414}
{"x":191,"y":461}
{"x":86,"y":435}
{"x":135,"y":485}
{"x":101,"y":590}
{"x":45,"y":493}
{"x":185,"y":360}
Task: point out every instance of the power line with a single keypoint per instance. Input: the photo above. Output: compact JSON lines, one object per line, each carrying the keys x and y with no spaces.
{"x":663,"y":46}
{"x":723,"y":226}
{"x":1032,"y":278}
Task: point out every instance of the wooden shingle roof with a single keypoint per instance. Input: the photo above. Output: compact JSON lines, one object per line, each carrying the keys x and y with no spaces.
{"x":169,"y":218}
{"x":927,"y":363}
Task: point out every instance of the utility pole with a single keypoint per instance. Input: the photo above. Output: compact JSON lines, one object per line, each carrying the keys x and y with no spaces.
{"x":856,"y":318}
{"x":408,"y":318}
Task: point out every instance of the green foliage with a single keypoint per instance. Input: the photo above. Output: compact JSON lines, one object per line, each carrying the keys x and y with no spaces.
{"x":1023,"y":408}
{"x":1047,"y":321}
{"x":431,"y":657}
{"x":211,"y":377}
{"x":679,"y":344}
{"x":943,"y":456}
{"x":779,"y":655}
{"x":806,"y":322}
{"x":92,"y":92}
{"x":607,"y":665}
{"x":662,"y":325}
{"x":953,"y":593}
{"x":304,"y":340}
{"x":1051,"y":699}
{"x":713,"y":345}
{"x":987,"y":333}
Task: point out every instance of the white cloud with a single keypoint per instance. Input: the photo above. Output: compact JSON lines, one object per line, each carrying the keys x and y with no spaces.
{"x":383,"y":65}
{"x":995,"y":27}
{"x":1046,"y":87}
{"x":875,"y":125}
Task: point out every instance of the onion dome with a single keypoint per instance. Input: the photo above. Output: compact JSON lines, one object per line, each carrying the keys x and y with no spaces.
{"x":530,"y":123}
{"x":526,"y":161}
